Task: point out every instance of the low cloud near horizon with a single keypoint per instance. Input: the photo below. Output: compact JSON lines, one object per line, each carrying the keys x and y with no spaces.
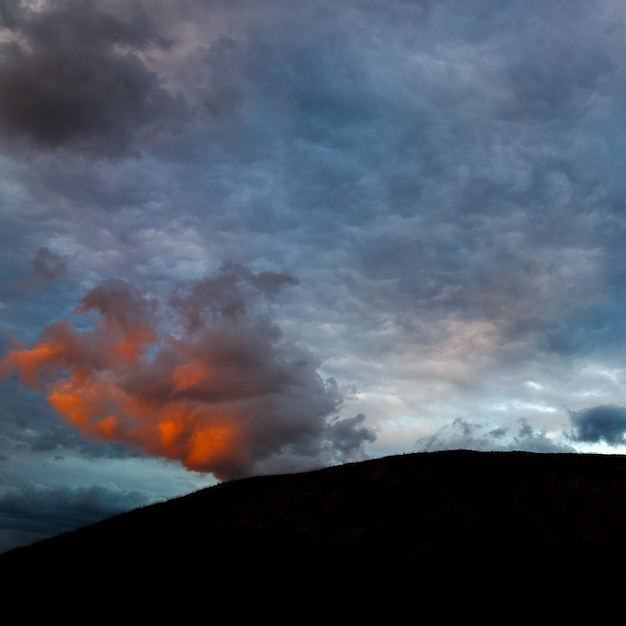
{"x":463,"y":435}
{"x":605,"y":423}
{"x":29,"y":512}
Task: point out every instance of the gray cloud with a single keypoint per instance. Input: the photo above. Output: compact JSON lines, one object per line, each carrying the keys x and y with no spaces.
{"x":72,"y":76}
{"x":230,"y":293}
{"x":48,"y":265}
{"x":605,"y":423}
{"x":348,"y":437}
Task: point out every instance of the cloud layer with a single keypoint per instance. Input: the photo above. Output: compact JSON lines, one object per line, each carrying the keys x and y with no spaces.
{"x":444,"y":178}
{"x":31,"y":512}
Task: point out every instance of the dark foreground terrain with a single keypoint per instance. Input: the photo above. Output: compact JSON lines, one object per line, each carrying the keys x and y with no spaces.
{"x":430,"y":537}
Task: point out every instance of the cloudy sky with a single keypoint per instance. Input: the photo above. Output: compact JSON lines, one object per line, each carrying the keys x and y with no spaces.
{"x":244,"y":237}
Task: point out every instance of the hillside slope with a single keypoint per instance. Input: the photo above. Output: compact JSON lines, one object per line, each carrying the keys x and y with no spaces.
{"x":502,"y":536}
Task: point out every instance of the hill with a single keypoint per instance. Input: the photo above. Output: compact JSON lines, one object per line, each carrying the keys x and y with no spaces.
{"x":497,"y":536}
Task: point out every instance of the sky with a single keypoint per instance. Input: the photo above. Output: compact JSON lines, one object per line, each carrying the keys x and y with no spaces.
{"x":243,"y":238}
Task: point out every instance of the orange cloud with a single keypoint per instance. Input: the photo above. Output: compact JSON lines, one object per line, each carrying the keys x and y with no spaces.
{"x":217,"y":390}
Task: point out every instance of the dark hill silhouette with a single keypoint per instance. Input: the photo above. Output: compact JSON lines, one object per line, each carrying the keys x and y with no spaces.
{"x":487,"y":537}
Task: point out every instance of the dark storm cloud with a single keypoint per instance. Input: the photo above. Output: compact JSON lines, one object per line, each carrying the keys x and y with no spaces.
{"x":605,"y":423}
{"x":31,"y":512}
{"x":464,"y":435}
{"x":349,"y":435}
{"x":72,"y":75}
